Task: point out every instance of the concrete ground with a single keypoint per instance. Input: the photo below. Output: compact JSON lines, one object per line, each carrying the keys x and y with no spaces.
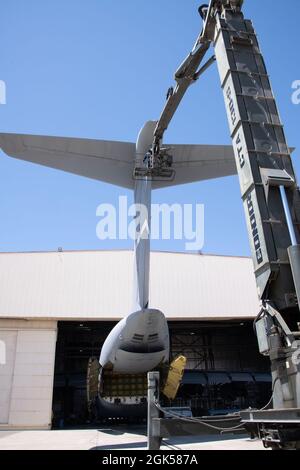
{"x":115,"y":438}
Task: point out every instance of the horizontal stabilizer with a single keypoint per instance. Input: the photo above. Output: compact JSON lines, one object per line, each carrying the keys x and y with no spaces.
{"x":113,"y":162}
{"x":194,"y":163}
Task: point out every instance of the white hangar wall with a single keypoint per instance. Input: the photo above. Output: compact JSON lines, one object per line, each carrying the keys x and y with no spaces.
{"x":98,"y":286}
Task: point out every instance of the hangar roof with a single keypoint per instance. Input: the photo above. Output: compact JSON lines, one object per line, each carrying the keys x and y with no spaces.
{"x":97,"y":285}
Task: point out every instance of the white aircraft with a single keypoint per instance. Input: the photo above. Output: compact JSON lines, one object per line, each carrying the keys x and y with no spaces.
{"x":140,"y":342}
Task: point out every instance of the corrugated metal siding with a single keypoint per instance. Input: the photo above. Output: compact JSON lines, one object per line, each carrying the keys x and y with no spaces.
{"x":98,"y":285}
{"x":196,"y":286}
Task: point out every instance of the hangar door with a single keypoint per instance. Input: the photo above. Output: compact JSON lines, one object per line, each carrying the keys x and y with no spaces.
{"x":8,"y":341}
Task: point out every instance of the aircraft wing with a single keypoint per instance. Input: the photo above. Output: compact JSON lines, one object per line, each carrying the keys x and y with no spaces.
{"x":194,"y":163}
{"x":111,"y":162}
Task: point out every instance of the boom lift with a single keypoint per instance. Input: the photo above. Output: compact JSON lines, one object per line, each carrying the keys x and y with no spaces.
{"x":270,"y":196}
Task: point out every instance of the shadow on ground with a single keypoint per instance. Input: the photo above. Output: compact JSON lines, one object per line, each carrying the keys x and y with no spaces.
{"x":172,"y":443}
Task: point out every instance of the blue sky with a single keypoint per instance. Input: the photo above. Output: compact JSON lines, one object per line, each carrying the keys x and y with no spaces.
{"x":100,"y":69}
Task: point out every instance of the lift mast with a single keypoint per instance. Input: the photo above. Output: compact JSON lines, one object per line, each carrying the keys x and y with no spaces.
{"x":270,"y":196}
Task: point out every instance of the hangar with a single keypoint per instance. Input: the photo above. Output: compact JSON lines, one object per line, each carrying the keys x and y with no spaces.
{"x":56,"y":309}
